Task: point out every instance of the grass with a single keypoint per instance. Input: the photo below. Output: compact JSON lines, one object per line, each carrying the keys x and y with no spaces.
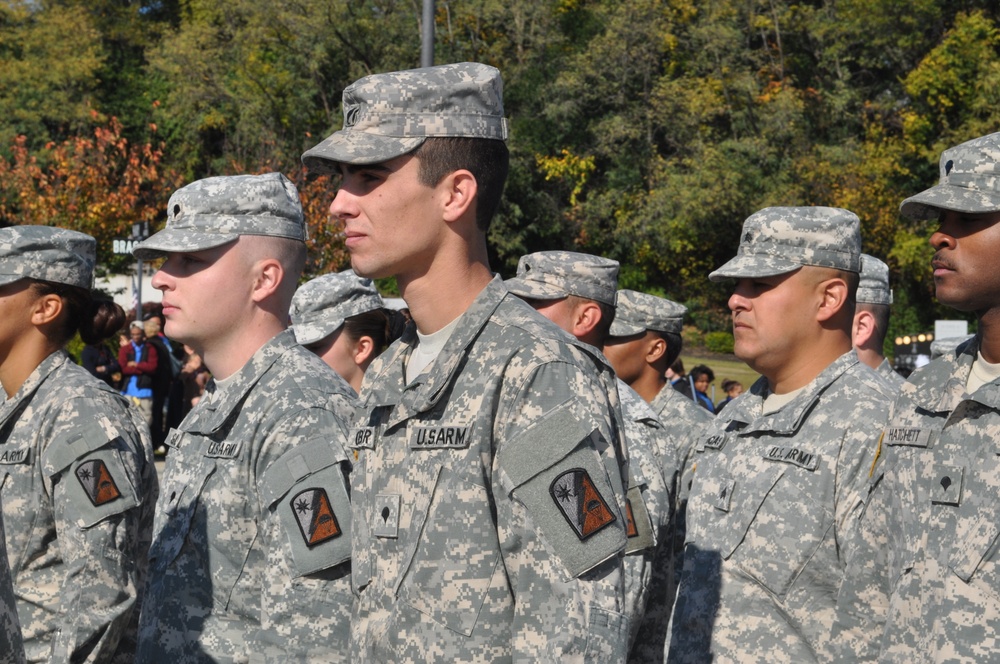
{"x":725,"y":367}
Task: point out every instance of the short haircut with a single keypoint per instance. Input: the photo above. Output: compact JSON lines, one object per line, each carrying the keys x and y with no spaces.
{"x":603,"y":328}
{"x":488,"y":160}
{"x":880,"y":312}
{"x":290,"y":253}
{"x":675,"y":343}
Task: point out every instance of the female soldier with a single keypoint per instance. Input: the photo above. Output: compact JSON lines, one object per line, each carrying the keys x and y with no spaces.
{"x":76,"y":470}
{"x":341,"y":318}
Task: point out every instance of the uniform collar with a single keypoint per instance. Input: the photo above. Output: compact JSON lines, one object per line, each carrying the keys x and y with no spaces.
{"x":46,"y":368}
{"x":939,"y":387}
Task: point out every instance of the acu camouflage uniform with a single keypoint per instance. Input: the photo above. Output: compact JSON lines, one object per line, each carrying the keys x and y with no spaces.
{"x":652,"y":465}
{"x":485,"y":520}
{"x":251,"y":546}
{"x":78,"y":483}
{"x":873,"y":288}
{"x":11,"y":647}
{"x":768,"y":513}
{"x":928,"y":588}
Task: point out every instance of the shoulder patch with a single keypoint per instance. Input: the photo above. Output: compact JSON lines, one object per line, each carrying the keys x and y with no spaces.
{"x":584,"y":508}
{"x":97,"y":482}
{"x":315,"y":516}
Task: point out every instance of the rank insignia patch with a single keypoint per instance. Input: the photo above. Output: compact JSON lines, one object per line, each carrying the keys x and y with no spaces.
{"x":630,"y":529}
{"x":578,"y":499}
{"x":315,"y":516}
{"x":97,"y":482}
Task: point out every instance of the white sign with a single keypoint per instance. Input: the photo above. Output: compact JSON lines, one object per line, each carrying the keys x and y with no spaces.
{"x":946,"y":329}
{"x":122,"y":246}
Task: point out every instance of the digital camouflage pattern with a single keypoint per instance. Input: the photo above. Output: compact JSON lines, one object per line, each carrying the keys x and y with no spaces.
{"x":47,"y":253}
{"x":873,"y":287}
{"x":388,"y":115}
{"x":486,"y":526}
{"x":928,"y":567}
{"x":78,"y":491}
{"x":683,"y":421}
{"x":11,"y":648}
{"x":637,"y":312}
{"x":321,"y":305}
{"x":778,"y":240}
{"x":552,"y":275}
{"x":248,"y":561}
{"x":970,"y":181}
{"x":891,"y":376}
{"x":215,"y":211}
{"x":768,"y":517}
{"x":653,"y":469}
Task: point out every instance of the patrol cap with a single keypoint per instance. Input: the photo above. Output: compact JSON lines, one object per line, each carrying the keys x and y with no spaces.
{"x":47,"y":253}
{"x":970,"y":181}
{"x":874,"y":285}
{"x":320,"y":306}
{"x":552,"y":275}
{"x":389,"y":115}
{"x":215,"y":211}
{"x":637,"y":312}
{"x":778,"y":240}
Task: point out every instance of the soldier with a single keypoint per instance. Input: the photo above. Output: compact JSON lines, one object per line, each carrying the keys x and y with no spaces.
{"x":644,"y":340}
{"x":341,"y":318}
{"x":931,"y":566}
{"x":251,"y":544}
{"x":780,"y":469}
{"x":577,"y":292}
{"x":485,"y":521}
{"x":871,"y":318}
{"x":76,"y":461}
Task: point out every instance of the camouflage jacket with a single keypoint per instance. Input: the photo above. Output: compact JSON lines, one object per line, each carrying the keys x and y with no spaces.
{"x":768,"y":516}
{"x":683,"y":420}
{"x":11,"y":647}
{"x":485,"y":522}
{"x":891,"y":375}
{"x":78,"y":492}
{"x":929,"y":569}
{"x":252,"y":534}
{"x":653,"y":470}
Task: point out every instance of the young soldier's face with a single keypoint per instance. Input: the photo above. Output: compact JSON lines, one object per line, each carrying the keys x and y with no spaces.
{"x":628,"y":355}
{"x":206,"y":295}
{"x":965,"y":261}
{"x":392,"y":222}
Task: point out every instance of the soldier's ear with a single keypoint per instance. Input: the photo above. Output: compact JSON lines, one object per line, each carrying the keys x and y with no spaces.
{"x":458,"y":189}
{"x":46,"y":309}
{"x":833,"y":300}
{"x":656,"y":347}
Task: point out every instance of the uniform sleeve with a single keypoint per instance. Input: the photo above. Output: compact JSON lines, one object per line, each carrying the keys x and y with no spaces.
{"x":304,"y":489}
{"x":561,"y":532}
{"x":94,"y":475}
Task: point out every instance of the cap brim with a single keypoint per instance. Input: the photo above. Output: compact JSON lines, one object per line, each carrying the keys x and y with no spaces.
{"x":752,"y":266}
{"x":928,"y":204}
{"x":622,"y":329}
{"x":534,"y":290}
{"x":171,"y":240}
{"x":310,"y":333}
{"x":10,"y":278}
{"x":357,"y":147}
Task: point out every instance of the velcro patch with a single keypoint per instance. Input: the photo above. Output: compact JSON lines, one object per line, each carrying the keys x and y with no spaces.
{"x":581,"y":503}
{"x":437,"y":438}
{"x":222,"y":449}
{"x":725,"y":495}
{"x":97,"y":482}
{"x":947,"y":486}
{"x":315,"y":516}
{"x":792,"y":455}
{"x":907,"y":436}
{"x":630,"y":529}
{"x":385,"y":520}
{"x":9,"y":457}
{"x":363,"y":437}
{"x":715,"y":442}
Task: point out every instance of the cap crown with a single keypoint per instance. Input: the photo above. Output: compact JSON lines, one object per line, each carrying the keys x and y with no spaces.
{"x":47,"y":253}
{"x":549,"y":275}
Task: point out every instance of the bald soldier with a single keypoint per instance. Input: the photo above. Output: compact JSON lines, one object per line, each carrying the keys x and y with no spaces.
{"x":780,"y":470}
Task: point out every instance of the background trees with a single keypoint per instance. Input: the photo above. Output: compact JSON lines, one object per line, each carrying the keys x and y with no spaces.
{"x":644,"y":130}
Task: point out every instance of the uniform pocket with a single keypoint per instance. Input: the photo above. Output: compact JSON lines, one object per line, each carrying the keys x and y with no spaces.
{"x":457,"y":555}
{"x":783,"y":528}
